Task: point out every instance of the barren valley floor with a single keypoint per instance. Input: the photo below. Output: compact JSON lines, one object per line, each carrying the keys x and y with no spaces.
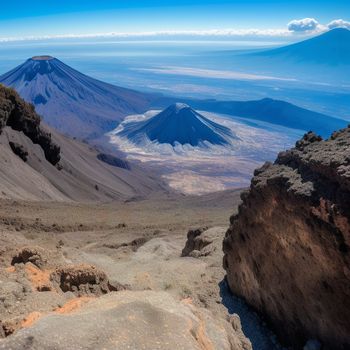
{"x":134,"y":245}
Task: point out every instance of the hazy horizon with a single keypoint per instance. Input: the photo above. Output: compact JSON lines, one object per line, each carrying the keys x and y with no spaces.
{"x":199,"y":69}
{"x":145,"y":18}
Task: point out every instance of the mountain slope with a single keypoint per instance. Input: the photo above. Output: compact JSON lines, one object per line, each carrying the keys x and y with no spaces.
{"x":331,"y":48}
{"x":70,"y":101}
{"x":37,"y":163}
{"x":178,"y":123}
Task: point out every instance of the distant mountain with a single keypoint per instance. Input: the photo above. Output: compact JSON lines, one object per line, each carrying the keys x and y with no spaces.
{"x":178,"y":123}
{"x":271,"y":111}
{"x":78,"y":105}
{"x":70,"y":101}
{"x":331,"y":48}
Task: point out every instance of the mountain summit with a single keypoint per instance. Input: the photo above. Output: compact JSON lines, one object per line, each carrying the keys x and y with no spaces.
{"x":70,"y":101}
{"x":178,"y":123}
{"x":43,"y":58}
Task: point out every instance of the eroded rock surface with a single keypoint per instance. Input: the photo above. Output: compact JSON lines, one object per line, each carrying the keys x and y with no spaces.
{"x":82,"y":280}
{"x":35,"y":255}
{"x":287,"y":250}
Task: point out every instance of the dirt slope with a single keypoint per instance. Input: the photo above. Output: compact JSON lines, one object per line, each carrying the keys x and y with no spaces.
{"x":37,"y":163}
{"x":54,"y":299}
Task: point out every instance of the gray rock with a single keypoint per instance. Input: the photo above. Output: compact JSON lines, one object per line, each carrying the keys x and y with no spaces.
{"x":130,"y":320}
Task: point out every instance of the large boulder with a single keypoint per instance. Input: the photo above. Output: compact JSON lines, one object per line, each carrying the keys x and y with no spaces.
{"x":287,"y":249}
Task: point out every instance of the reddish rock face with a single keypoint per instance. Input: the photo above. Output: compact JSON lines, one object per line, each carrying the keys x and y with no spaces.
{"x":287,"y":249}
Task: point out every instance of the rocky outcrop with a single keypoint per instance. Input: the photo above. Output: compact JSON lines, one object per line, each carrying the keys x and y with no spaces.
{"x":287,"y":249}
{"x":202,"y":242}
{"x":35,"y":255}
{"x":37,"y":163}
{"x":21,"y":116}
{"x":83,"y":280}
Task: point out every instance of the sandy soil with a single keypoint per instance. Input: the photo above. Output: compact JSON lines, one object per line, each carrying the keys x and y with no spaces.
{"x":110,"y":236}
{"x":137,"y":244}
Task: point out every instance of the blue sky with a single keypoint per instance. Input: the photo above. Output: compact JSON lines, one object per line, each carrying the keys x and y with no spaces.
{"x":37,"y":18}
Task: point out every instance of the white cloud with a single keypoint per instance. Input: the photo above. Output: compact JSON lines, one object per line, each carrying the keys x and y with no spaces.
{"x":229,"y":33}
{"x":338,"y":23}
{"x":306,"y":26}
{"x":303,"y":25}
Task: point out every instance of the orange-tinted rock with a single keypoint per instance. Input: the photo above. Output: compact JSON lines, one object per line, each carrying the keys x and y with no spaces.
{"x":40,"y":279}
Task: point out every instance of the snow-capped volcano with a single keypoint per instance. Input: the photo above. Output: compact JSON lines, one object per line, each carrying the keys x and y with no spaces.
{"x":177,"y":124}
{"x":70,"y":101}
{"x":218,"y":151}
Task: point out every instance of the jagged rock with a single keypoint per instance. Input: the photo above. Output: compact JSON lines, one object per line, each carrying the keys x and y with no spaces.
{"x":194,"y":241}
{"x":35,"y":255}
{"x":203,"y":242}
{"x":21,"y":116}
{"x":287,"y":249}
{"x":83,"y":280}
{"x":308,"y":138}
